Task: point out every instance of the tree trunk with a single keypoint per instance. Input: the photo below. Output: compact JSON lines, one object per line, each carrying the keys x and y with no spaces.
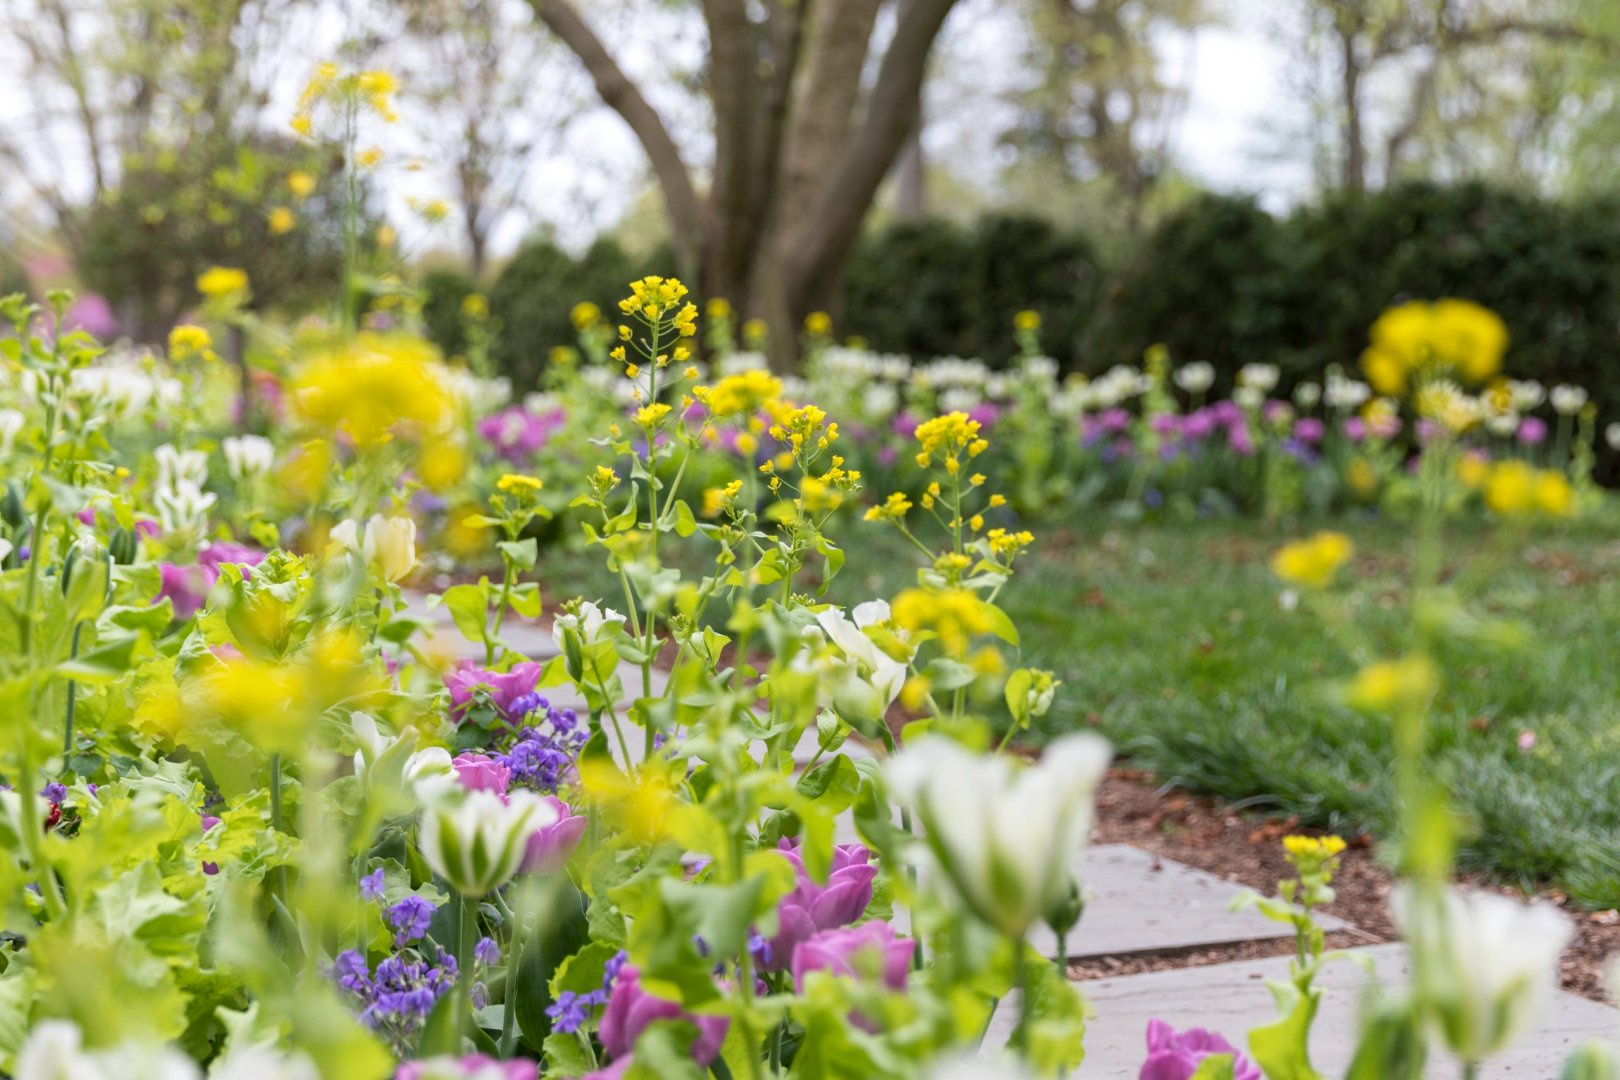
{"x":1354,"y":178}
{"x":910,"y":179}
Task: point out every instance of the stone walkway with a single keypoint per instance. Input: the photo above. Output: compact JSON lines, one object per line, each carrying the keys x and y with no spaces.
{"x":1139,"y":903}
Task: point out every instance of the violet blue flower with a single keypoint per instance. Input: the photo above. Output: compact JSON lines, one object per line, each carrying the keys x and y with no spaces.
{"x":1174,"y":1055}
{"x":371,"y":886}
{"x":630,"y":1009}
{"x":410,"y":919}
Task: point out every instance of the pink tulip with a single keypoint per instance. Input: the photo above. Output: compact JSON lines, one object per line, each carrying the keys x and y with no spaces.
{"x":479,"y":772}
{"x":550,"y":848}
{"x":841,"y":952}
{"x":630,"y":1009}
{"x":811,"y":907}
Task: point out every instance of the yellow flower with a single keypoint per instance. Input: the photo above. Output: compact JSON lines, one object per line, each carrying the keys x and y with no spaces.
{"x":282,"y":221}
{"x":997,"y":501}
{"x":1006,"y":544}
{"x":585,"y":315}
{"x":1394,"y":685}
{"x":1553,"y":494}
{"x":654,"y":297}
{"x":955,"y":616}
{"x":512,"y":483}
{"x":219,"y":281}
{"x":1027,"y":320}
{"x":1510,"y":489}
{"x":1472,"y":470}
{"x":300,"y":183}
{"x":1313,"y":562}
{"x":648,"y":416}
{"x":893,"y":509}
{"x":475,"y":306}
{"x":818,"y":324}
{"x":743,"y":394}
{"x":303,"y":124}
{"x":442,"y":464}
{"x":367,"y":387}
{"x":369,"y":158}
{"x":1418,"y":341}
{"x":1362,"y":477}
{"x":187,"y":340}
{"x":386,"y":236}
{"x":719,"y":308}
{"x":949,"y":436}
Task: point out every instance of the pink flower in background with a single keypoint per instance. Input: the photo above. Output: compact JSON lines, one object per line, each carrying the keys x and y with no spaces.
{"x":841,"y":951}
{"x":220,"y":552}
{"x":1309,"y":430}
{"x":1355,"y":429}
{"x":92,"y":314}
{"x":1227,"y":412}
{"x":1165,"y":423}
{"x":185,"y":586}
{"x":1174,"y":1055}
{"x":1527,"y":741}
{"x":1113,"y":421}
{"x":1239,"y":440}
{"x":550,"y":848}
{"x":905,"y":425}
{"x":630,"y":1009}
{"x":479,"y":772}
{"x":985,"y":414}
{"x":504,"y":687}
{"x":810,"y":907}
{"x":1277,"y":411}
{"x":516,"y":433}
{"x":1199,"y":424}
{"x":1532,"y":431}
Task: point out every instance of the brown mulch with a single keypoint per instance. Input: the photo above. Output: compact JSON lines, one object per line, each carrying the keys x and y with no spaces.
{"x":1245,"y":849}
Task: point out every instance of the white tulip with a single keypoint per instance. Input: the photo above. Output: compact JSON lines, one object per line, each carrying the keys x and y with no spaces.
{"x":1490,"y":962}
{"x":176,"y":467}
{"x":1342,"y":393}
{"x":184,"y":508}
{"x":344,"y":537}
{"x":248,"y":457}
{"x":477,"y":842}
{"x":5,"y":548}
{"x":1526,"y":393}
{"x":1307,"y":394}
{"x":588,"y":624}
{"x":1566,"y":399}
{"x":390,"y":546}
{"x":392,"y":762}
{"x":11,"y":425}
{"x":1611,"y":435}
{"x":1263,"y":377}
{"x":1249,"y":397}
{"x":54,"y":1050}
{"x":1502,"y":424}
{"x":887,"y":674}
{"x":1196,"y":377}
{"x":264,"y":1063}
{"x":1005,"y":837}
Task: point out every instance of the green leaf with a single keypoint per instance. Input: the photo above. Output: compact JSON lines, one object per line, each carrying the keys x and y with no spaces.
{"x":1001,"y":624}
{"x":468,"y":606}
{"x":566,"y":1056}
{"x":1282,"y":1049}
{"x":520,"y":553}
{"x":544,"y":952}
{"x":103,"y":664}
{"x":1215,"y":1067}
{"x":685,"y":523}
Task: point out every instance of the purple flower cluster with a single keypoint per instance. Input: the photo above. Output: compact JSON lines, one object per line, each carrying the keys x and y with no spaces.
{"x":571,"y":1010}
{"x":547,"y":741}
{"x":543,"y":754}
{"x":399,"y":995}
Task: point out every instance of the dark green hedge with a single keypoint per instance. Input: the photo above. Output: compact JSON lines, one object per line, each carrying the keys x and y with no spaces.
{"x":1221,"y":280}
{"x":1225,"y":282}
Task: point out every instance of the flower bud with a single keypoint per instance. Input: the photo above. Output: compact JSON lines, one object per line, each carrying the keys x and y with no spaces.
{"x":477,"y":843}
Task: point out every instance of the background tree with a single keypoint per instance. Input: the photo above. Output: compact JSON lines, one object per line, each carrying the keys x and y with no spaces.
{"x":807,"y":123}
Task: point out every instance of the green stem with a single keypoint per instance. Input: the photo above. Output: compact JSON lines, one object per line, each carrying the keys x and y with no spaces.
{"x":72,"y":692}
{"x":1019,"y":1039}
{"x":466,"y":931}
{"x":276,"y":822}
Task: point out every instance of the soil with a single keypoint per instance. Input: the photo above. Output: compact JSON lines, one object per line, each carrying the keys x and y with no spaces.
{"x":1245,"y":849}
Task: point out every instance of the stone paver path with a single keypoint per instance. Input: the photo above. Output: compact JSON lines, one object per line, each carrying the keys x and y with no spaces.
{"x":1232,"y":998}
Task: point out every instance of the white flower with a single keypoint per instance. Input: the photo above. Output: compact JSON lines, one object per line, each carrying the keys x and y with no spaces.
{"x":176,"y":467}
{"x":5,"y":548}
{"x":588,"y":624}
{"x":392,"y":762}
{"x":1566,"y":399}
{"x":1263,"y":377}
{"x":264,"y":1063}
{"x":1526,"y":393}
{"x":1006,"y":838}
{"x":477,"y":842}
{"x":248,"y":457}
{"x":1611,"y":435}
{"x":1196,"y":377}
{"x":184,"y":508}
{"x":1502,"y":424}
{"x":1250,"y":397}
{"x":344,"y":537}
{"x":992,"y":1067}
{"x":390,"y":546}
{"x":1492,"y":962}
{"x":1307,"y":394}
{"x":1342,"y":393}
{"x":887,"y":674}
{"x":54,"y":1050}
{"x":11,"y":425}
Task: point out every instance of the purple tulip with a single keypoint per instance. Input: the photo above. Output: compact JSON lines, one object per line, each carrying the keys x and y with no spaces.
{"x":1309,"y":430}
{"x":1532,"y":431}
{"x":505,"y":688}
{"x":517,"y":433}
{"x":92,"y":314}
{"x":1226,"y":412}
{"x":550,"y":848}
{"x":631,"y":1009}
{"x":1355,"y":429}
{"x":1114,"y":421}
{"x":185,"y":586}
{"x":1174,"y":1055}
{"x":811,"y":907}
{"x":471,"y":1067}
{"x":1239,"y":440}
{"x":479,"y":772}
{"x":841,"y":951}
{"x":220,"y":552}
{"x":1165,"y":423}
{"x":1199,"y":424}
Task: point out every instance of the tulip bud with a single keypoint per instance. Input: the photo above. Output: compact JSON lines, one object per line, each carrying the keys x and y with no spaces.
{"x":123,"y":546}
{"x":476,"y":843}
{"x":390,"y":546}
{"x":1593,"y":1061}
{"x":1063,"y":914}
{"x":12,"y":511}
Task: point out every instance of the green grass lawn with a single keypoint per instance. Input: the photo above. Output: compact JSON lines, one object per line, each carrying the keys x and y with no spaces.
{"x":1172,"y":641}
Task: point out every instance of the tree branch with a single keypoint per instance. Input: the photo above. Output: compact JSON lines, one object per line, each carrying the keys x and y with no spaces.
{"x":625,"y":98}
